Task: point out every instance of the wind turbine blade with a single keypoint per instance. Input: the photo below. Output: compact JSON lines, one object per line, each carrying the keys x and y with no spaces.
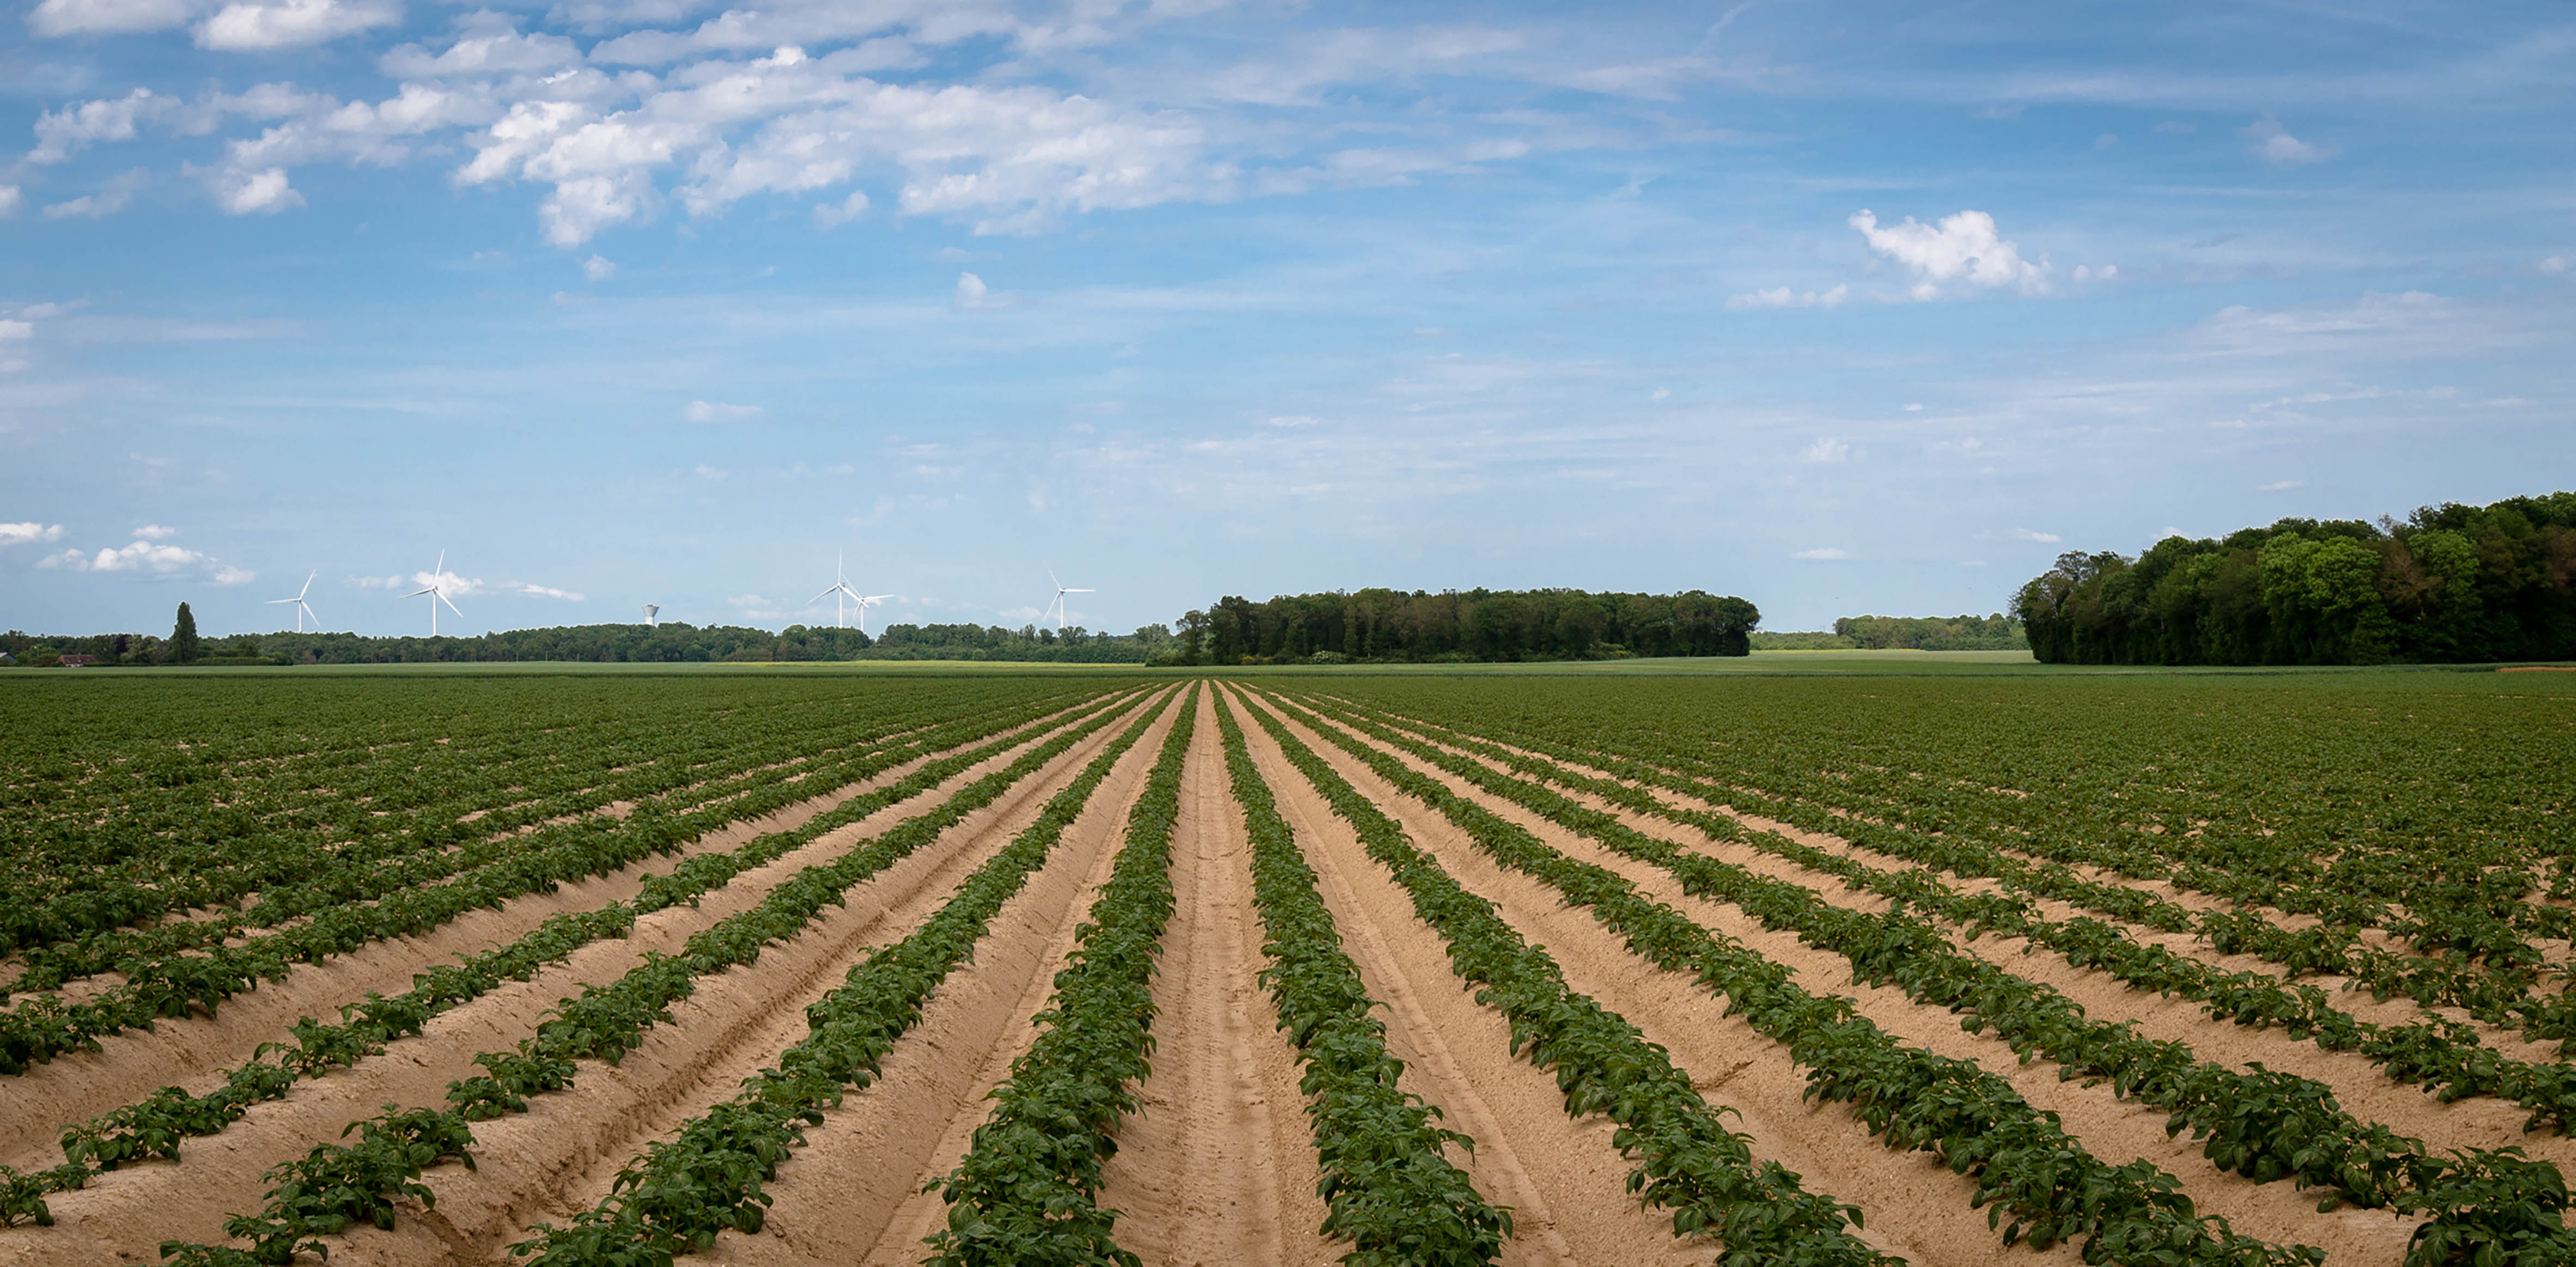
{"x":1051,"y":580}
{"x":824,"y":595}
{"x":418,"y":592}
{"x":451,"y":603}
{"x":308,"y":587}
{"x":1082,"y":591}
{"x":441,"y":569}
{"x":879,"y":598}
{"x":275,"y":601}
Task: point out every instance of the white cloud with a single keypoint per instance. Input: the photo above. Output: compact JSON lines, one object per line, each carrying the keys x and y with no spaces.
{"x":257,"y":26}
{"x":830,"y":214}
{"x":1783,"y":297}
{"x":2105,"y":141}
{"x":495,"y":52}
{"x":2281,"y":486}
{"x":1827,"y":449}
{"x":28,"y":532}
{"x":598,"y":268}
{"x":110,"y":17}
{"x":1292,"y":420}
{"x":970,"y":291}
{"x":10,"y":200}
{"x":2558,"y":265}
{"x":147,"y":554}
{"x":1660,"y":393}
{"x":1961,"y":247}
{"x":2025,"y":534}
{"x":545,"y":591}
{"x":1822,"y":554}
{"x":718,"y":411}
{"x":12,"y":330}
{"x":263,"y":193}
{"x":2108,"y":272}
{"x":1914,"y":408}
{"x":2274,"y":144}
{"x":111,"y":198}
{"x":65,"y":132}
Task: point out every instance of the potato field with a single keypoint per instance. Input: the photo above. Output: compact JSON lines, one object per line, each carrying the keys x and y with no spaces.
{"x":1305,"y":967}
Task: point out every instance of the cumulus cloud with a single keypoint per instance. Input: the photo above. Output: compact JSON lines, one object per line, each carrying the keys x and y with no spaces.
{"x":832,"y":214}
{"x":65,"y":132}
{"x":1828,"y":449}
{"x":598,"y":268}
{"x":13,"y":330}
{"x":10,"y":200}
{"x":544,"y":591}
{"x":261,"y":25}
{"x":151,"y":554}
{"x":1822,"y":554}
{"x":971,"y":291}
{"x":260,"y":193}
{"x":55,"y":18}
{"x":2087,"y":273}
{"x":111,"y":198}
{"x":1964,"y":247}
{"x":2558,"y":265}
{"x":29,"y":532}
{"x":1783,"y":297}
{"x":2273,"y":144}
{"x":719,"y":411}
{"x":2280,"y":486}
{"x":2025,"y":534}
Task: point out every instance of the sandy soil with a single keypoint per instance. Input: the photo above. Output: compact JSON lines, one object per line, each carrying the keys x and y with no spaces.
{"x":727,"y":1030}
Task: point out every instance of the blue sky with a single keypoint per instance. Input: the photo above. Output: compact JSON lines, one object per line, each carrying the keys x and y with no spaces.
{"x":1842,"y":307}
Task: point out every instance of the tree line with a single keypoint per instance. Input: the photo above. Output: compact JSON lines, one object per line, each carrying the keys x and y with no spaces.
{"x":1392,"y":626}
{"x":671,"y":643}
{"x":2450,"y":584}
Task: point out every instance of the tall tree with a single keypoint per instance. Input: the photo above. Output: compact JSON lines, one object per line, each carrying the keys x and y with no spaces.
{"x":183,"y":636}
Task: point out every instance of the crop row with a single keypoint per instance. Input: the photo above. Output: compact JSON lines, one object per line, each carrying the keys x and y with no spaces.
{"x":157,"y":1126}
{"x":2447,"y":1058}
{"x":1687,"y":1161}
{"x":299,"y":874}
{"x":1387,"y":1187}
{"x":2034,"y":1173}
{"x":193,"y":833}
{"x":1028,"y":1189}
{"x":710,"y":1176}
{"x":609,"y":1021}
{"x":170,"y":984}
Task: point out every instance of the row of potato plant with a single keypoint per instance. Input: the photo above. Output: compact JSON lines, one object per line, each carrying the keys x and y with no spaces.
{"x":1388,"y":1187}
{"x":188,"y":830}
{"x":604,"y":1023}
{"x":172,"y":985}
{"x":1028,"y":1188}
{"x":2034,"y":1174}
{"x":2447,"y":1058}
{"x":156,"y":1126}
{"x":711,"y":1176}
{"x":360,"y":871}
{"x":1687,"y":1161}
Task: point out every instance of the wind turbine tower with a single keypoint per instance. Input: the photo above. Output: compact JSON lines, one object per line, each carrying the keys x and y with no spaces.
{"x":301,"y":609}
{"x":436,"y":594}
{"x":842,"y":594}
{"x":1058,"y":604}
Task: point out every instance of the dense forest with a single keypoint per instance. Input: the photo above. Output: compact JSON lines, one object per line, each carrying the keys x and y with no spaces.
{"x":1391,"y":626}
{"x":2450,"y":584}
{"x":1997,"y":632}
{"x":671,"y":643}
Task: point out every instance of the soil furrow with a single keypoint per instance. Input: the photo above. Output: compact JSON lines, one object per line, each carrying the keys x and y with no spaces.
{"x":1215,"y":1169}
{"x":124,"y":1215}
{"x":855,"y":1192}
{"x":194,"y":1053}
{"x":1565,"y":1182}
{"x":2112,"y":1130}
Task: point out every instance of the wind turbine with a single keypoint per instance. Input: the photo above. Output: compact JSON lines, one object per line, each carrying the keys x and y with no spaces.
{"x":841,"y":593}
{"x":650,"y":611}
{"x":436,"y":595}
{"x":1058,"y":604}
{"x":301,"y":609}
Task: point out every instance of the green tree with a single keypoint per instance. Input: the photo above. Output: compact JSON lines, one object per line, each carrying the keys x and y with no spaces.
{"x":183,"y":637}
